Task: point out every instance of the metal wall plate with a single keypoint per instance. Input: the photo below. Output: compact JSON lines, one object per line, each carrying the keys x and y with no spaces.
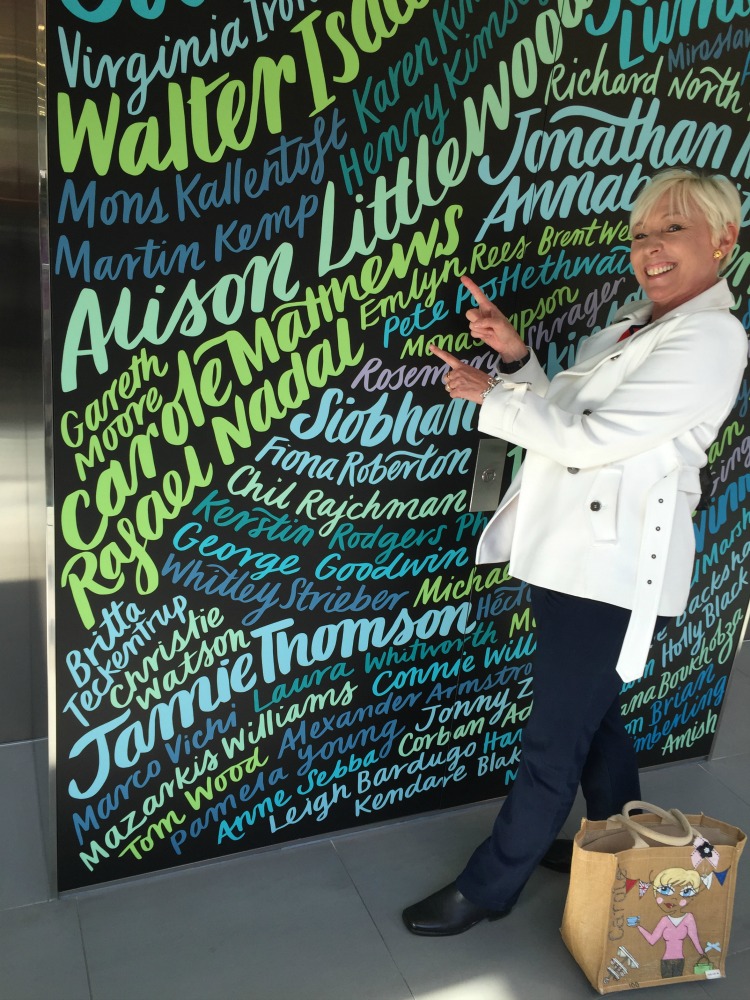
{"x":488,"y":474}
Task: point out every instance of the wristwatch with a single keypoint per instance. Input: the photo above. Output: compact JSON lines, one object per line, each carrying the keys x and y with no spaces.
{"x":509,"y":367}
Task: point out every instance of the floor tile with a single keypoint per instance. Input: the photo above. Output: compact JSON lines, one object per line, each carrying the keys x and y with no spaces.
{"x":733,"y":736}
{"x":41,"y":953}
{"x":398,"y":865}
{"x":24,"y":871}
{"x":274,"y":926}
{"x":742,"y":659}
{"x":736,"y":984}
{"x":734,"y":772}
{"x":322,"y":920}
{"x":695,"y":787}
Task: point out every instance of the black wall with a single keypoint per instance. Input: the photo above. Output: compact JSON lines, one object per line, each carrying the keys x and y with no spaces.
{"x":269,"y":624}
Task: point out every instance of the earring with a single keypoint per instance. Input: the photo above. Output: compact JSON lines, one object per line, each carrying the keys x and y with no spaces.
{"x":717,"y":254}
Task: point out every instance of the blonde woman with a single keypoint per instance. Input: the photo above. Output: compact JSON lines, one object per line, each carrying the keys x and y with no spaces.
{"x":599,"y":519}
{"x":675,"y":889}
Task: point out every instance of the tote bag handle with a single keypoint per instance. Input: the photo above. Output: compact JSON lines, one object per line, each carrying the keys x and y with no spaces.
{"x":674,"y":815}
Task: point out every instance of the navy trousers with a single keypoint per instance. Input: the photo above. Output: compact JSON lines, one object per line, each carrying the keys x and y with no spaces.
{"x":575,"y":734}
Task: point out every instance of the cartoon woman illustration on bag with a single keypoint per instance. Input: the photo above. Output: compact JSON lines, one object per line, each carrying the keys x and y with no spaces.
{"x":674,"y":889}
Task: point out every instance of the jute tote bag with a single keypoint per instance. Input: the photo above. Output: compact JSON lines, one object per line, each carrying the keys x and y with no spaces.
{"x":650,"y":898}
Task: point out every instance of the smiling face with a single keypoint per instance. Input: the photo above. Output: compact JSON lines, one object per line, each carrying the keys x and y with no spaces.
{"x":674,"y":889}
{"x":672,"y":254}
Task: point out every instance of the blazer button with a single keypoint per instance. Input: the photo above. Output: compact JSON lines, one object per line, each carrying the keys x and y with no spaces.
{"x":572,"y":470}
{"x":595,"y":505}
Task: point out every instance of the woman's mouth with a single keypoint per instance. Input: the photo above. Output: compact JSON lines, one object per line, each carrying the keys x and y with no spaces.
{"x":653,"y":270}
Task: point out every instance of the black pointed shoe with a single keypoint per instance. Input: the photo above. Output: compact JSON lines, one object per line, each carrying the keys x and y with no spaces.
{"x":445,"y":912}
{"x":559,"y":856}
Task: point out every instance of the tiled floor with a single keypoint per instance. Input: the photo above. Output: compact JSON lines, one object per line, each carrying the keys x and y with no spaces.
{"x":321,"y":921}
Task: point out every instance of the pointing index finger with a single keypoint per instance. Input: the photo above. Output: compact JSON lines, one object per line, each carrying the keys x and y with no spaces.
{"x":476,"y":291}
{"x":449,"y":359}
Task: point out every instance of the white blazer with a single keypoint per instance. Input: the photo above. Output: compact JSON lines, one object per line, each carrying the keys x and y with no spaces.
{"x":602,"y":505}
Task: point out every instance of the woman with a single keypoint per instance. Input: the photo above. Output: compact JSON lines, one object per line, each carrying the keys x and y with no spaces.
{"x":598,"y":520}
{"x":674,"y":890}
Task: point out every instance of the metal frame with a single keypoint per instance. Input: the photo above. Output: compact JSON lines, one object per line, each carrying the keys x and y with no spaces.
{"x":44,"y":248}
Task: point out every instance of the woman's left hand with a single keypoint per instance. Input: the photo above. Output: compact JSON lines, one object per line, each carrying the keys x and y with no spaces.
{"x":462,"y":381}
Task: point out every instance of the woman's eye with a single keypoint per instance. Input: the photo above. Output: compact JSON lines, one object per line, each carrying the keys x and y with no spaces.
{"x":666,"y":890}
{"x":638,"y":236}
{"x":675,"y":228}
{"x":688,"y":891}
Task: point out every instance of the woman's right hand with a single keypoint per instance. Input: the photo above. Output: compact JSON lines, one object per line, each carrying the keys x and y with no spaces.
{"x":488,"y":324}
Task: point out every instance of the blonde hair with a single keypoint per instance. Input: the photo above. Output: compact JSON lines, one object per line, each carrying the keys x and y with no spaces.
{"x":713,"y":195}
{"x":677,"y":876}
